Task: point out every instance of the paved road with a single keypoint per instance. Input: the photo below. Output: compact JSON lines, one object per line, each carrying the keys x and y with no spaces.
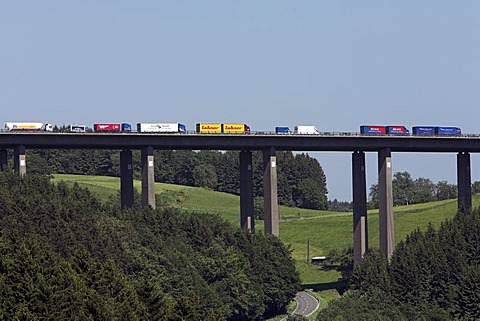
{"x":306,"y":304}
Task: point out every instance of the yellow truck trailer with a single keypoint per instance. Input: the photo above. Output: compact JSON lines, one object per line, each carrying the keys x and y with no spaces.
{"x":204,"y":128}
{"x":235,"y":128}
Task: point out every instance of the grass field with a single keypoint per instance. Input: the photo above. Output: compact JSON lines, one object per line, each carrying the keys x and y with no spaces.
{"x":322,"y":229}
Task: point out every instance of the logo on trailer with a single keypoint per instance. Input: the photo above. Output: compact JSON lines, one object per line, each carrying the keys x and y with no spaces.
{"x":210,"y":127}
{"x":233,"y":127}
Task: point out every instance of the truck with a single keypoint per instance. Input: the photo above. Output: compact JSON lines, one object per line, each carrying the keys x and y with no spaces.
{"x":28,"y":126}
{"x":448,"y":131}
{"x":373,"y":130}
{"x":436,"y":131}
{"x":282,"y":130}
{"x":161,"y":128}
{"x":305,"y":130}
{"x":217,"y":128}
{"x":112,"y":128}
{"x":397,"y":130}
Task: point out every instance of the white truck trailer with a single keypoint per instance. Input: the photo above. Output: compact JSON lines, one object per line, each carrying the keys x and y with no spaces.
{"x":161,"y":128}
{"x":305,"y":130}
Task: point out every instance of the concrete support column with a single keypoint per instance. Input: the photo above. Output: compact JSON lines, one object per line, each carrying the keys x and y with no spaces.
{"x":148,"y":177}
{"x":270,"y":197}
{"x":464,"y":182}
{"x":247,"y":218}
{"x":360,"y":228}
{"x":126,"y":178}
{"x":19,"y":160}
{"x":385,"y":197}
{"x":3,"y":159}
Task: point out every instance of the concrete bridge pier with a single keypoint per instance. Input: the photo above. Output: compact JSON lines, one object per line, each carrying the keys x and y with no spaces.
{"x":464,"y":182}
{"x":148,"y":177}
{"x":19,"y":160}
{"x":270,"y":199}
{"x":3,"y":159}
{"x":360,"y":228}
{"x":385,"y":197}
{"x":247,"y":218}
{"x":126,"y":179}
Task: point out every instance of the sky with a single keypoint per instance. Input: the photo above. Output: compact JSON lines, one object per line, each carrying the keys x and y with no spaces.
{"x":333,"y":64}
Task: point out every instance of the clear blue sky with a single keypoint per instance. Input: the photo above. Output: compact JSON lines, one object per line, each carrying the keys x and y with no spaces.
{"x":332,"y":64}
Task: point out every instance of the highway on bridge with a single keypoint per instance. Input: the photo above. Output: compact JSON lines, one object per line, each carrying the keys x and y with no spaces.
{"x":323,"y":142}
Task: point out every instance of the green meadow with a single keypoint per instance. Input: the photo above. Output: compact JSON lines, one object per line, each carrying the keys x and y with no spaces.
{"x":308,"y":233}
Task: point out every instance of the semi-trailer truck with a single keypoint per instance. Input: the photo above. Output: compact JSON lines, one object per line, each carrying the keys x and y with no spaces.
{"x":230,"y":128}
{"x":28,"y":126}
{"x":305,"y":130}
{"x":161,"y":128}
{"x":112,"y":128}
{"x":436,"y":131}
{"x":448,"y":131}
{"x":383,"y":130}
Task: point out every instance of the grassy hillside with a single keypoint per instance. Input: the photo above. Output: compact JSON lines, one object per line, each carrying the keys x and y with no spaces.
{"x":325,"y":230}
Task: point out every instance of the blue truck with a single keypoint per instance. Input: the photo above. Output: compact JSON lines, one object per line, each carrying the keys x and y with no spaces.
{"x":436,"y":131}
{"x":448,"y":131}
{"x":282,"y":130}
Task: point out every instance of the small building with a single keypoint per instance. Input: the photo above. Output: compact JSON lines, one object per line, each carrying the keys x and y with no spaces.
{"x":318,"y":259}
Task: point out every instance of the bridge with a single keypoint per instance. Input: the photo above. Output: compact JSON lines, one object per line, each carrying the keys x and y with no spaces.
{"x":357,"y":144}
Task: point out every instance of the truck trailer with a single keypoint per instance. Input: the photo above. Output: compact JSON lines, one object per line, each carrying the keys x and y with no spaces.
{"x":423,"y":130}
{"x":204,"y":128}
{"x":235,"y":129}
{"x":305,"y":130}
{"x":373,"y":130}
{"x":397,"y":130}
{"x":161,"y":128}
{"x":448,"y":131}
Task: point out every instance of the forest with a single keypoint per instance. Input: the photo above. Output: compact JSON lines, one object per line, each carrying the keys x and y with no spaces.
{"x":432,"y":275}
{"x":67,"y":256}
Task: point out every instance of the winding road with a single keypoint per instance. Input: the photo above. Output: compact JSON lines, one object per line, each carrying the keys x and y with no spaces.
{"x":306,"y":304}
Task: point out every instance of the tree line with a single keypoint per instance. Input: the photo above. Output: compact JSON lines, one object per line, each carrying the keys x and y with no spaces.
{"x":407,"y":190}
{"x":65,"y":255}
{"x":301,"y":179}
{"x":432,"y":275}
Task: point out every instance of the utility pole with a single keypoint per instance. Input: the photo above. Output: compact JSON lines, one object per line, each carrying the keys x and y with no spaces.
{"x":308,"y":251}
